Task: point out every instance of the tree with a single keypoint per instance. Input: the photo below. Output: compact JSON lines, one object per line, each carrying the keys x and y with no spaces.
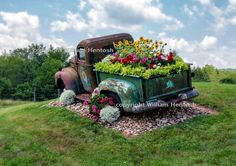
{"x":34,"y":66}
{"x":5,"y":88}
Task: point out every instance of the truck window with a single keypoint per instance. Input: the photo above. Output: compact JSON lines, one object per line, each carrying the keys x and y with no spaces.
{"x":82,"y":53}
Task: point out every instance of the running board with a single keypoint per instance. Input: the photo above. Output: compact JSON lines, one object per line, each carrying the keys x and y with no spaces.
{"x":83,"y":97}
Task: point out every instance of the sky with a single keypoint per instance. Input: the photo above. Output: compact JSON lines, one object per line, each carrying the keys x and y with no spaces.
{"x":201,"y":31}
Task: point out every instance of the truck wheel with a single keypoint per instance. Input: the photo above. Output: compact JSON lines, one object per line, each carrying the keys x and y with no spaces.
{"x":116,"y":100}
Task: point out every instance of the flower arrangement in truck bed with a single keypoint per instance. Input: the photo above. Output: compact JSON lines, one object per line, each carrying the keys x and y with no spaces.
{"x":143,"y":58}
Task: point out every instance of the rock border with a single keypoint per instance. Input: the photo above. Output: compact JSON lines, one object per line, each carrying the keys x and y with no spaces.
{"x":131,"y":125}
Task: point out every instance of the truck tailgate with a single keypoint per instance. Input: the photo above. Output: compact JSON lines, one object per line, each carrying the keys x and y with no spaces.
{"x":164,"y":87}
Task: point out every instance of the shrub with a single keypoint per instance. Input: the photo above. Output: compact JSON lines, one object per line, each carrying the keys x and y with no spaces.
{"x":5,"y":88}
{"x":228,"y":81}
{"x":109,"y":114}
{"x":23,"y":91}
{"x":67,"y":97}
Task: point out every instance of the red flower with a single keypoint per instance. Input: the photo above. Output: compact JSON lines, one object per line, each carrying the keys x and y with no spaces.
{"x":170,"y":57}
{"x":159,"y":57}
{"x":111,"y":103}
{"x":150,"y":66}
{"x":123,"y":60}
{"x":110,"y":98}
{"x":114,"y":59}
{"x":98,"y":111}
{"x":103,"y":100}
{"x":129,"y":57}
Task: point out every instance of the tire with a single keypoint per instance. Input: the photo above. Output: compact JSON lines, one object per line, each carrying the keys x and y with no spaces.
{"x":116,"y":100}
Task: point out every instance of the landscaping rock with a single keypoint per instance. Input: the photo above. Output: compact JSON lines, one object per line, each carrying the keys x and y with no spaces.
{"x":135,"y":124}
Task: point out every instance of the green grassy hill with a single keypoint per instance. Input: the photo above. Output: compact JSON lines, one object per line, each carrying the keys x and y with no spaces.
{"x":32,"y":134}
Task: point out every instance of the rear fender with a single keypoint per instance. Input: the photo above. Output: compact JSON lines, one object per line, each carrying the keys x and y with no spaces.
{"x":126,"y":90}
{"x":70,"y":79}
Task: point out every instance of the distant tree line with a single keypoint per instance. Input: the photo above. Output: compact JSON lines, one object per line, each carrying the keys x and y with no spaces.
{"x":209,"y":73}
{"x":25,"y":70}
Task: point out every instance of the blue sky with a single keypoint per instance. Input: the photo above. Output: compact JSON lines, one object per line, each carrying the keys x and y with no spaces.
{"x":202,"y":31}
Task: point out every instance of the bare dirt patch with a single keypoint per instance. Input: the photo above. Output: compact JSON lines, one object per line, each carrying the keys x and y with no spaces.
{"x":134,"y":124}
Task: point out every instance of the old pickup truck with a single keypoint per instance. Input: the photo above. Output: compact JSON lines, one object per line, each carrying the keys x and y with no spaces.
{"x":131,"y":94}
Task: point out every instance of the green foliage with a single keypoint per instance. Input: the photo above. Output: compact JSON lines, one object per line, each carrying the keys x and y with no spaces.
{"x":67,"y":97}
{"x":140,"y":71}
{"x":209,"y":73}
{"x":23,"y":91}
{"x":5,"y":88}
{"x":228,"y":80}
{"x":109,"y":114}
{"x":32,"y":67}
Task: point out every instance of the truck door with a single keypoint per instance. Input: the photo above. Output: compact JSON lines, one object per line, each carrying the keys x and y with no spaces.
{"x":84,"y":71}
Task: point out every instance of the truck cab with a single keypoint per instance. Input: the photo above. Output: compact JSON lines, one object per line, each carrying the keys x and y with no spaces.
{"x":80,"y":76}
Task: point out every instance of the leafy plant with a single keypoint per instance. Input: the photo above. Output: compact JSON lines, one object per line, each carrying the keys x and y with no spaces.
{"x":67,"y":97}
{"x":98,"y":102}
{"x":140,"y":71}
{"x":109,"y":114}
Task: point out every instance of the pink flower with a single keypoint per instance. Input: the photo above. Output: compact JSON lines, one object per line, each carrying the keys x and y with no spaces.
{"x":111,"y":103}
{"x":110,"y":98}
{"x":135,"y":58}
{"x":115,"y":55}
{"x":95,"y":91}
{"x":94,"y":117}
{"x":85,"y":103}
{"x":103,"y":100}
{"x":94,"y":108}
{"x":143,"y":60}
{"x":98,"y":111}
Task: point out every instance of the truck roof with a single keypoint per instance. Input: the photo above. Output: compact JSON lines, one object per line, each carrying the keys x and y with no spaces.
{"x":107,"y":39}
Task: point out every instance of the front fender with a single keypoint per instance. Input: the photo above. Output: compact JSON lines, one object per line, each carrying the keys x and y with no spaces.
{"x":69,"y":78}
{"x":126,"y":90}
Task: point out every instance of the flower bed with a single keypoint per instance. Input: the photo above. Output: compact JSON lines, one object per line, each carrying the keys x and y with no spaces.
{"x":142,"y":58}
{"x":101,"y":106}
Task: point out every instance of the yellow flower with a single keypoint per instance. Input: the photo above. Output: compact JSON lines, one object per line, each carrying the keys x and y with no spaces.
{"x":126,"y":42}
{"x":114,"y":44}
{"x":156,"y":45}
{"x":120,"y":43}
{"x":141,"y":38}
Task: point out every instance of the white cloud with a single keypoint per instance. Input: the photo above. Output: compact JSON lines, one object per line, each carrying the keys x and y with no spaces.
{"x":177,"y":25}
{"x":231,"y":6}
{"x":187,"y":10}
{"x":20,"y":29}
{"x":222,"y":16}
{"x":208,"y":42}
{"x":118,"y":15}
{"x":233,"y":20}
{"x":82,"y":5}
{"x":73,"y":21}
{"x":205,"y":2}
{"x":202,"y":52}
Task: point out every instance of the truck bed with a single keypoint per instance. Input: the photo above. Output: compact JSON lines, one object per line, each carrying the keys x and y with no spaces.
{"x":155,"y":88}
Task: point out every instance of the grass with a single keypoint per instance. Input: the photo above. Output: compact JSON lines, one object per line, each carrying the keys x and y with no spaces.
{"x":32,"y":134}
